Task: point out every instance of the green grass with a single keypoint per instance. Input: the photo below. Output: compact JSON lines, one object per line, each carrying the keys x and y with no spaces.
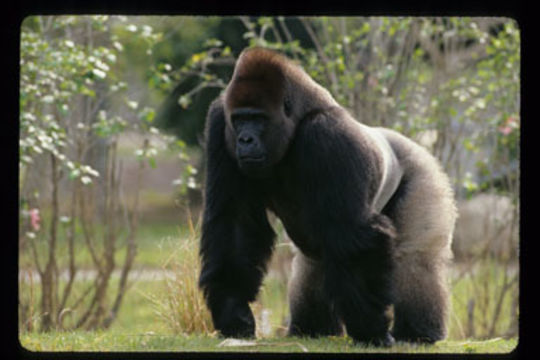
{"x":154,"y":241}
{"x":484,"y":288}
{"x":116,"y":341}
{"x":137,"y":315}
{"x":139,"y":328}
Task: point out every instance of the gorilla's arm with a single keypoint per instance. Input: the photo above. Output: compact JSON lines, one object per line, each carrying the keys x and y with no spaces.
{"x":236,"y":238}
{"x":341,"y":176}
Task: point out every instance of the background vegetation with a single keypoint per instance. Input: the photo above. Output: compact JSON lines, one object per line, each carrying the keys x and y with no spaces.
{"x":111,"y":117}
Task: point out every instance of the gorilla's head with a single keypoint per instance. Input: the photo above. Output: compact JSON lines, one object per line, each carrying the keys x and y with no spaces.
{"x":264,"y":102}
{"x":258,"y":111}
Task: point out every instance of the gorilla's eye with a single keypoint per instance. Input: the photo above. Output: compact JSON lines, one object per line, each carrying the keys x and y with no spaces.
{"x":287,"y":106}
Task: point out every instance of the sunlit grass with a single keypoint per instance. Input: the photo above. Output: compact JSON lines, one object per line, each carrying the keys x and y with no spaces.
{"x":150,"y":341}
{"x":168,"y":314}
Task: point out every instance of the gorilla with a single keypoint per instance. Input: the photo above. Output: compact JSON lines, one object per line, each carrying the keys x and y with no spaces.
{"x":370,"y":212}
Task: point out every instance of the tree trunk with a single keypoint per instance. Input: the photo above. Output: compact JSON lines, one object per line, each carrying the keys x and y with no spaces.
{"x":48,"y":279}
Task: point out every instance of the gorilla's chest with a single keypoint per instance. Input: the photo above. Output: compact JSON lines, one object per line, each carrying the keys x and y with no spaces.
{"x":285,"y":201}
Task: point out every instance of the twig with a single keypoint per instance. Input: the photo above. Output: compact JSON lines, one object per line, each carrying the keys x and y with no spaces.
{"x":77,"y":302}
{"x":470,"y":318}
{"x":405,"y":57}
{"x":276,"y":33}
{"x":88,"y":235}
{"x":35,"y":256}
{"x":497,"y":311}
{"x":86,"y":314}
{"x":453,"y":144}
{"x":47,"y":282}
{"x":288,"y":36}
{"x":71,"y":247}
{"x":131,"y":249}
{"x":330,"y":75}
{"x":246,"y":22}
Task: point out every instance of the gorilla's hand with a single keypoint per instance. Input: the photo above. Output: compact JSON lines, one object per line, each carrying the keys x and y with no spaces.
{"x":385,"y":341}
{"x":235,"y":319}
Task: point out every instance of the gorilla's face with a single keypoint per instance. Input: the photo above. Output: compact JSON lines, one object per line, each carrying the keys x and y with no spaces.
{"x":260,"y":137}
{"x":259,"y":117}
{"x":250,"y":128}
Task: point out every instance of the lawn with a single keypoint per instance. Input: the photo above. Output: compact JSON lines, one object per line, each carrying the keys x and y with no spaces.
{"x":139,"y":327}
{"x":150,"y":341}
{"x":154,"y":241}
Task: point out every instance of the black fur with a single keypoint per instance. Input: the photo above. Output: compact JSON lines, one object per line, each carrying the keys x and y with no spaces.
{"x":371,"y":212}
{"x":321,"y":195}
{"x":418,"y":323}
{"x":236,"y":238}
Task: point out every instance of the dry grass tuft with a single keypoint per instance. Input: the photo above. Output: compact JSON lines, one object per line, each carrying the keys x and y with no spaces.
{"x":182,"y":305}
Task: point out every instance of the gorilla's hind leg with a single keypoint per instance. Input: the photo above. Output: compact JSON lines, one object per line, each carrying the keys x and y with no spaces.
{"x":311,"y":313}
{"x":424,"y":214}
{"x":420,"y":309}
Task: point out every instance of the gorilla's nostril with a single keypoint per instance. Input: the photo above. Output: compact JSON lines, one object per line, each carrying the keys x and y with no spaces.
{"x":245,"y":139}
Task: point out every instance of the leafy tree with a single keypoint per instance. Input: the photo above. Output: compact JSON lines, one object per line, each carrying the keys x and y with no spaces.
{"x":455,"y":79}
{"x":74,"y":105}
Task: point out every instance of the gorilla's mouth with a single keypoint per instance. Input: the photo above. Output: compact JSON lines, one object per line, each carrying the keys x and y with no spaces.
{"x":253,"y":159}
{"x":255,"y":166}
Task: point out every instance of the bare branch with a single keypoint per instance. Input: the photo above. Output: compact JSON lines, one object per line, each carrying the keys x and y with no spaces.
{"x":48,"y":283}
{"x":81,"y":298}
{"x":71,"y":249}
{"x":36,"y":257}
{"x":497,"y":311}
{"x":329,"y":74}
{"x":131,"y":247}
{"x":88,"y":234}
{"x":276,"y":33}
{"x":281,"y":22}
{"x":246,"y":22}
{"x":405,"y":56}
{"x":84,"y":318}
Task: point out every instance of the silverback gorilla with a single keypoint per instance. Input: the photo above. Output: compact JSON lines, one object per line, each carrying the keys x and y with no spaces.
{"x":370,"y":211}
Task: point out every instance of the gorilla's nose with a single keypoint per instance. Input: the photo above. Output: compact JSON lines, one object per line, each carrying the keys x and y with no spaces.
{"x":248,"y":147}
{"x":245,"y":139}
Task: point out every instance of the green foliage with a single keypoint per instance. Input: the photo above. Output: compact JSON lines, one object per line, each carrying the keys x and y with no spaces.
{"x":63,"y":69}
{"x":71,"y":63}
{"x":456,"y":76}
{"x":75,"y":105}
